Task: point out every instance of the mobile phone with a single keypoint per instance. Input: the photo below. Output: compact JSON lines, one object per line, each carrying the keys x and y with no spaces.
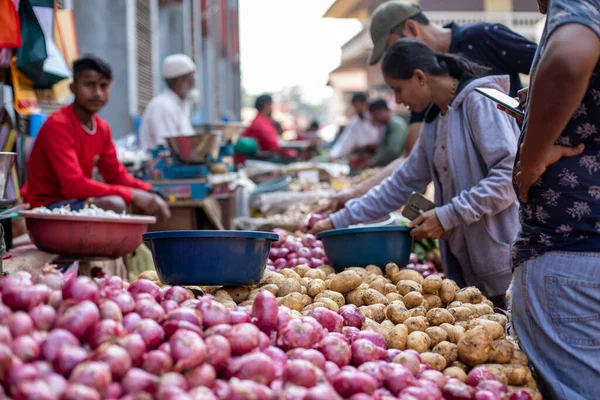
{"x":416,"y":205}
{"x":503,"y":99}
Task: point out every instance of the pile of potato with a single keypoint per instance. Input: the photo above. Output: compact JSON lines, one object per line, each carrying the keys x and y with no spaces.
{"x":453,"y":329}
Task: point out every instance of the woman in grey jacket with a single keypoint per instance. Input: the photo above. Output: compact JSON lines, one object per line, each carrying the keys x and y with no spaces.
{"x":467,"y":148}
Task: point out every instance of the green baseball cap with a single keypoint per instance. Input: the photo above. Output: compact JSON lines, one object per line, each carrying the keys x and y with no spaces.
{"x":385,"y":18}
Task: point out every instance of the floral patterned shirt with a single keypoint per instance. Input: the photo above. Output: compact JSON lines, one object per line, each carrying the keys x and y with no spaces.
{"x":563,"y":211}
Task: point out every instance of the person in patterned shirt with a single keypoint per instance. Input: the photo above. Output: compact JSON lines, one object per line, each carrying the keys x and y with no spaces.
{"x":556,"y":254}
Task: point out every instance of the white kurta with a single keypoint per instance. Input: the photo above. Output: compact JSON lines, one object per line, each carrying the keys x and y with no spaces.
{"x":166,"y":116}
{"x":358,"y":133}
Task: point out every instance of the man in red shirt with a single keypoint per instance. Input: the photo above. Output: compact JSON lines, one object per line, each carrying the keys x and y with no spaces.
{"x":74,"y":141}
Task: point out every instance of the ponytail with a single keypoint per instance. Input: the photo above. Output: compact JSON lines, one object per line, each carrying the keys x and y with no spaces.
{"x":408,"y":55}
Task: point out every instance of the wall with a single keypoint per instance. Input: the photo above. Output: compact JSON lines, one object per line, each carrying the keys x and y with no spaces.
{"x":170,"y":21}
{"x":525,"y":5}
{"x":102,"y":31}
{"x":451,"y":5}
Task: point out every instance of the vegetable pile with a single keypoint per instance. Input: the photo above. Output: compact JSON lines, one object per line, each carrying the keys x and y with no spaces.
{"x":302,"y":333}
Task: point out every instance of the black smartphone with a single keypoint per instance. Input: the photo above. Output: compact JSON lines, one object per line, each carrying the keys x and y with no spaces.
{"x":416,"y":205}
{"x":503,"y":99}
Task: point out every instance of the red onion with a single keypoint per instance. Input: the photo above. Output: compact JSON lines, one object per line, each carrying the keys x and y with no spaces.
{"x":55,"y":299}
{"x":75,"y":391}
{"x":352,"y":316}
{"x":130,"y":321}
{"x":303,"y":332}
{"x":265,"y":310}
{"x":14,"y":280}
{"x":169,"y":305}
{"x":243,"y":338}
{"x":185,"y":314}
{"x":316,"y":262}
{"x":114,"y":391}
{"x":322,"y":391}
{"x":278,"y":356}
{"x":124,"y":300}
{"x":203,"y":375}
{"x":377,"y":370}
{"x":520,"y":395}
{"x":79,"y":319}
{"x":150,"y":309}
{"x":55,"y":340}
{"x":348,"y":383}
{"x":377,"y":338}
{"x":202,"y":393}
{"x":493,"y":386}
{"x":308,"y":240}
{"x":398,"y":379}
{"x":56,"y":383}
{"x":436,"y":377}
{"x":26,"y":348}
{"x":166,"y":347}
{"x":240,"y":315}
{"x":20,"y":372}
{"x":280,"y":263}
{"x":391,"y":354}
{"x":283,"y":253}
{"x":5,"y":311}
{"x":81,"y":288}
{"x":19,"y":323}
{"x":111,"y":284}
{"x":220,"y":329}
{"x":176,"y":293}
{"x":6,"y":360}
{"x":144,"y":286}
{"x":173,"y":379}
{"x":105,"y":331}
{"x":351,"y":333}
{"x":170,"y":327}
{"x":257,"y":367}
{"x":218,"y":351}
{"x":92,"y":374}
{"x":116,"y":357}
{"x":188,"y":349}
{"x":5,"y":336}
{"x":335,"y":350}
{"x":43,"y":317}
{"x":301,"y":373}
{"x":43,"y":368}
{"x":364,"y":350}
{"x":151,"y":332}
{"x":157,"y":362}
{"x":137,"y":380}
{"x":135,"y":346}
{"x":67,"y":358}
{"x":171,"y":393}
{"x":25,"y":297}
{"x":304,"y":252}
{"x":327,"y":318}
{"x":241,"y":389}
{"x":110,"y":310}
{"x":35,"y":389}
{"x":214,"y":313}
{"x":50,"y":277}
{"x":458,"y":391}
{"x":479,"y":374}
{"x":486,"y":395}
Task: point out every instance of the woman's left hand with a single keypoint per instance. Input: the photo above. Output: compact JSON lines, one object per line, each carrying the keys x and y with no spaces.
{"x":429,"y":226}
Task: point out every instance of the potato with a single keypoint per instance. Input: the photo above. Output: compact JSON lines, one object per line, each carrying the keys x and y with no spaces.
{"x":483,"y":309}
{"x":387,"y":324}
{"x":306,"y":300}
{"x":356,"y":297}
{"x":372,"y":296}
{"x":397,"y":312}
{"x":461,"y":365}
{"x":295,"y":314}
{"x":239,"y":294}
{"x":227,"y":303}
{"x":290,"y":274}
{"x":454,"y":332}
{"x":454,"y":304}
{"x":519,"y":357}
{"x":289,"y":286}
{"x":413,"y":299}
{"x":436,"y":334}
{"x":377,"y":312}
{"x":378,"y":284}
{"x":416,"y":324}
{"x":405,"y":287}
{"x":363,"y":286}
{"x":293,"y":301}
{"x":455,"y":372}
{"x":270,"y":288}
{"x":149,"y":275}
{"x":247,"y":303}
{"x":272,"y":278}
{"x":461,"y":313}
{"x":488,"y":302}
{"x":301,"y":270}
{"x":418,"y":341}
{"x":474,"y":346}
{"x":448,"y":291}
{"x":314,"y":274}
{"x":327,"y":269}
{"x":518,"y":375}
{"x":390,"y":288}
{"x":330,"y":304}
{"x":303,"y":290}
{"x":462,"y":324}
{"x":495,"y":330}
{"x":447,"y":350}
{"x":305,"y":281}
{"x":345,"y":282}
{"x":391,"y":269}
{"x":397,"y":337}
{"x":313,"y":306}
{"x":419,"y":311}
{"x":222,"y":295}
{"x":327,"y":283}
{"x":315,"y":287}
{"x":370,"y":325}
{"x":499,"y":372}
{"x":501,"y":352}
{"x":335,"y":296}
{"x":438,"y":316}
{"x":360,"y":271}
{"x":374,"y":269}
{"x":432,"y":284}
{"x":410,"y":275}
{"x":499,"y":318}
{"x":394,"y":297}
{"x":469,"y":295}
{"x":433,"y":301}
{"x":434,"y":360}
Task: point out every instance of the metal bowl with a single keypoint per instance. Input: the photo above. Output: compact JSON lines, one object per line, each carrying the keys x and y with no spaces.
{"x":195,"y":149}
{"x":86,"y":236}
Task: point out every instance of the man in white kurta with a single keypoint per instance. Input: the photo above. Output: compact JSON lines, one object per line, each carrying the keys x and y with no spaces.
{"x":169,"y":113}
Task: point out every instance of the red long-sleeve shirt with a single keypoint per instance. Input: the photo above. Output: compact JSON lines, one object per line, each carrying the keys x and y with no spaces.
{"x":263,"y":130}
{"x":62,"y":160}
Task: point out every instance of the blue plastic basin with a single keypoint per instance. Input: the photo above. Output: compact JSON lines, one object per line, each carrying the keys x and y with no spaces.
{"x":360,"y":247}
{"x":210,"y":257}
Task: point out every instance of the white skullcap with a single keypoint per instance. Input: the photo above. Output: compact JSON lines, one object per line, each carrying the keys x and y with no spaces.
{"x":177,"y":65}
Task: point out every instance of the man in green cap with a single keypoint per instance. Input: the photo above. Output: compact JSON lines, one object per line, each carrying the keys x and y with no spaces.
{"x":492,"y":45}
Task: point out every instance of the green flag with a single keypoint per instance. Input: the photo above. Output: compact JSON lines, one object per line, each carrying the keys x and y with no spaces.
{"x":39,"y":58}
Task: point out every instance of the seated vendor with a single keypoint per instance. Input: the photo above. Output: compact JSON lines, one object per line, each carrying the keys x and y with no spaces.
{"x":73,"y":142}
{"x":395,"y":131}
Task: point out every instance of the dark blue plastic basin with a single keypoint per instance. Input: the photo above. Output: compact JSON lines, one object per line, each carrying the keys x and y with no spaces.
{"x":210,"y":257}
{"x":360,"y":247}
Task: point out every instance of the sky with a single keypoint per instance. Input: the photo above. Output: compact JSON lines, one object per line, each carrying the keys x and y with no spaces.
{"x":288,"y":42}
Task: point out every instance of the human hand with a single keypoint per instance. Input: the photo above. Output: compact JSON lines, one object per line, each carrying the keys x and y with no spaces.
{"x":429,"y":226}
{"x":527,"y":174}
{"x":323,"y":225}
{"x":522,"y":99}
{"x":337,"y":202}
{"x":150,"y":204}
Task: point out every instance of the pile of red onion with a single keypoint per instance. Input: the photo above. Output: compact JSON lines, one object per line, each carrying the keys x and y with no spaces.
{"x":66,"y":337}
{"x":290,"y":250}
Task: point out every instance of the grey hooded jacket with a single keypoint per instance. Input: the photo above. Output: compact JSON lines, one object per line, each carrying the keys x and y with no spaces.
{"x":480,"y":210}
